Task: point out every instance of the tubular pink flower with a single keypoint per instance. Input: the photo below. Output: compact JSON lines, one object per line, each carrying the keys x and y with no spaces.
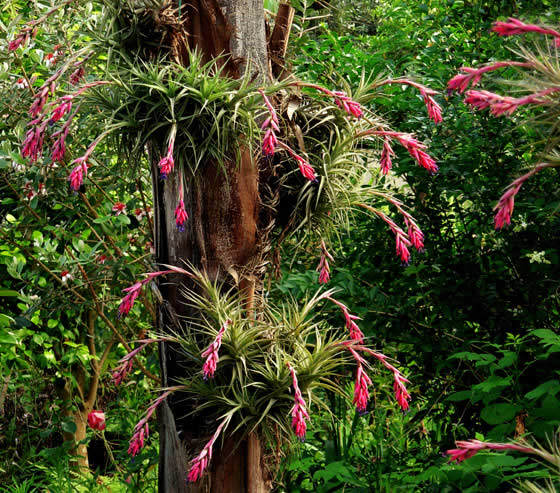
{"x":181,"y":216}
{"x":299,"y":409}
{"x":270,"y":125}
{"x":505,"y":105}
{"x":434,"y":109}
{"x":323,"y":268}
{"x":385,"y":162}
{"x":77,"y":175}
{"x":341,"y":99}
{"x":32,"y":146}
{"x":62,"y":109}
{"x":414,"y":147}
{"x":211,"y":354}
{"x":41,"y":99}
{"x":166,"y":164}
{"x":142,"y":430}
{"x":415,"y":235}
{"x":133,"y":291}
{"x":354,"y":331}
{"x":77,"y":76}
{"x":402,"y":242}
{"x":401,"y":394}
{"x":201,"y":461}
{"x":504,"y":207}
{"x":472,"y":76}
{"x":515,"y":26}
{"x":467,"y":448}
{"x":59,"y":146}
{"x":269,"y":142}
{"x":361,"y":393}
{"x":306,"y":169}
{"x":125,"y":366}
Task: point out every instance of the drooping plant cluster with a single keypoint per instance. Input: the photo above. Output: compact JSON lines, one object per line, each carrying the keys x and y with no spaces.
{"x":323,"y":146}
{"x":540,"y":86}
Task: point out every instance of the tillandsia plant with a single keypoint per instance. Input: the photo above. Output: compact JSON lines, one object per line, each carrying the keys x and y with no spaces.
{"x":537,"y":86}
{"x":238,"y":162}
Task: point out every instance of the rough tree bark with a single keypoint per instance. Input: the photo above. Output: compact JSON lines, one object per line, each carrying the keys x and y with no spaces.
{"x":221,"y":237}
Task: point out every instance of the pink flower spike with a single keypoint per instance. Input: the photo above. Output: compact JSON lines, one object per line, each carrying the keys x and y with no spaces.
{"x":62,"y":109}
{"x":32,"y":146}
{"x":181,"y":216}
{"x":142,"y":430}
{"x":415,"y":235}
{"x":125,"y":367}
{"x":434,"y":109}
{"x":77,"y":175}
{"x":361,"y":394}
{"x":128,"y":301}
{"x":166,"y":165}
{"x":269,"y":142}
{"x":352,"y":108}
{"x":270,"y":125}
{"x":77,"y":76}
{"x":211,"y":354}
{"x":385,"y":162}
{"x":515,"y":26}
{"x":59,"y":146}
{"x":354,"y":331}
{"x":472,"y":76}
{"x":324,"y":268}
{"x":201,"y":461}
{"x":467,"y":449}
{"x":299,"y":409}
{"x":306,"y":169}
{"x":401,"y":394}
{"x":504,"y":207}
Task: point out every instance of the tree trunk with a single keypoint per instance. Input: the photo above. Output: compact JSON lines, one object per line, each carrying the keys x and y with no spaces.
{"x":221,"y":237}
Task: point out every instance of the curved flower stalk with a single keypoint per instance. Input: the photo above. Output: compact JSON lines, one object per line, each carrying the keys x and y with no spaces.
{"x":505,"y":105}
{"x":324,"y":268}
{"x":433,"y":108}
{"x":30,"y":30}
{"x":142,"y":429}
{"x":211,"y":354}
{"x":133,"y":291}
{"x":125,"y":366}
{"x":472,"y":76}
{"x":341,"y":99}
{"x":402,"y":396}
{"x":414,"y":147}
{"x":354,"y":331}
{"x":304,"y":167}
{"x":514,"y":26}
{"x":504,"y":207}
{"x":201,"y":461}
{"x":299,"y":409}
{"x":415,"y":234}
{"x":468,"y":448}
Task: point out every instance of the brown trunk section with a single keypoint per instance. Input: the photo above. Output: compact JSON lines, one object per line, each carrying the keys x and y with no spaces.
{"x":221,"y":239}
